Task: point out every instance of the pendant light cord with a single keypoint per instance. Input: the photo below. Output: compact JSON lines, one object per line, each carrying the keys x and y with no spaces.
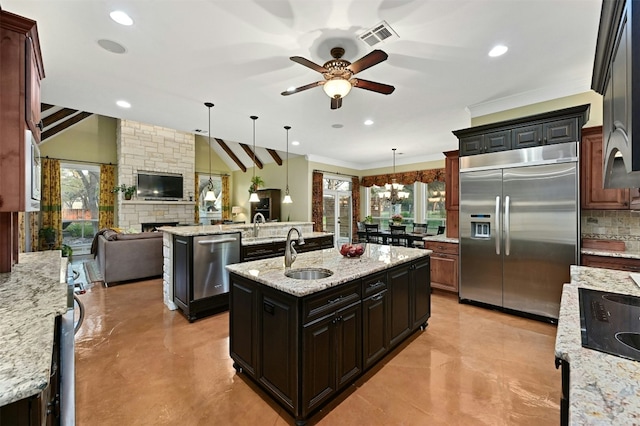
{"x":209,"y":105}
{"x":287,"y":170}
{"x":254,"y":118}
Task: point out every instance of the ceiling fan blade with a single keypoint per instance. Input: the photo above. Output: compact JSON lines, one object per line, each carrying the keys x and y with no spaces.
{"x":301,"y":88}
{"x":336,"y":103}
{"x":385,"y":89}
{"x":367,"y":61}
{"x":307,"y":63}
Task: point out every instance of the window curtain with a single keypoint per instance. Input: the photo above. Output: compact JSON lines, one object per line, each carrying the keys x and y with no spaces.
{"x":107,"y":198}
{"x":355,"y":207}
{"x":27,"y":220}
{"x":51,"y":201}
{"x":316,"y":201}
{"x":196,"y":191}
{"x":405,"y":178}
{"x":226,"y":201}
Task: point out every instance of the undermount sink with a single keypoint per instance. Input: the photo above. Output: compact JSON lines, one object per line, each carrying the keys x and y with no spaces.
{"x":308,"y":273}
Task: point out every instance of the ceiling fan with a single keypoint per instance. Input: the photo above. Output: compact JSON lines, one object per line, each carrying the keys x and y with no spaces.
{"x":338,"y":75}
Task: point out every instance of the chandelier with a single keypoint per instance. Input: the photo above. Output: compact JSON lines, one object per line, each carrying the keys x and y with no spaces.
{"x":393,"y":191}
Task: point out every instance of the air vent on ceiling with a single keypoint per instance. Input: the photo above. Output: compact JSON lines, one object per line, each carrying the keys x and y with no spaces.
{"x":379,"y":33}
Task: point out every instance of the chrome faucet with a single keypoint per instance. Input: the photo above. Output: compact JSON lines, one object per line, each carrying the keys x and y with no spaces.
{"x":289,"y":252}
{"x":255,"y":223}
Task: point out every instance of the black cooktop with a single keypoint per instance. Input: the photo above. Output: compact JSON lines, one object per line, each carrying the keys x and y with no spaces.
{"x":610,"y":322}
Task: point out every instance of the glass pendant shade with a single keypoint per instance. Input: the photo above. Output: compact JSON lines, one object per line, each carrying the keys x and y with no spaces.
{"x":337,"y":87}
{"x":287,"y":199}
{"x":253,"y":198}
{"x":210,"y":196}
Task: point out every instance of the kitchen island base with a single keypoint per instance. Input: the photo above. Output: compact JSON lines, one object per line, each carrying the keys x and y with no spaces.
{"x":304,"y":350}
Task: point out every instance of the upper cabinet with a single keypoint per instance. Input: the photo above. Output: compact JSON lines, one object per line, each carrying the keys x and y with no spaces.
{"x":592,"y":192}
{"x":616,"y":76}
{"x":536,"y":130}
{"x":21,"y":70}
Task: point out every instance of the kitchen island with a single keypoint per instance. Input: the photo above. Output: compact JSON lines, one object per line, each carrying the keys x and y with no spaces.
{"x":304,"y":341}
{"x":36,"y":343}
{"x":598,"y":388}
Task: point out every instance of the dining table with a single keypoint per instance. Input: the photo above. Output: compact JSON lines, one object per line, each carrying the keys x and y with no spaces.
{"x":384,"y":235}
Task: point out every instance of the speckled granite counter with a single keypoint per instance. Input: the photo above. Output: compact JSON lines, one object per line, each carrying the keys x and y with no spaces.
{"x":266,"y":230}
{"x":604,"y":389}
{"x":376,"y":258}
{"x":32,"y":296}
{"x":441,"y":238}
{"x":609,"y":253}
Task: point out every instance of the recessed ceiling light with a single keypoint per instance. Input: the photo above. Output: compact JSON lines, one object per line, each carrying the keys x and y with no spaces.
{"x":121,"y":18}
{"x":123,"y":104}
{"x":498,"y":50}
{"x":368,"y":122}
{"x":296,"y":143}
{"x":337,"y":126}
{"x":112,"y":46}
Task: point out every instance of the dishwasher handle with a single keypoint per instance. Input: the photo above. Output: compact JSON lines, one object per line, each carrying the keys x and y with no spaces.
{"x":218,"y":241}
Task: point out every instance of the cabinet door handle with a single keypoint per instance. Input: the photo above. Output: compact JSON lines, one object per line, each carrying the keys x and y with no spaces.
{"x":336,"y":300}
{"x":268,"y":307}
{"x":377,"y":297}
{"x":376,"y":284}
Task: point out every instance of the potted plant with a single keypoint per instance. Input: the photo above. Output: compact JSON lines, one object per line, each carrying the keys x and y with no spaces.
{"x":128,"y":191}
{"x":256,"y":182}
{"x":397,"y":219}
{"x":48,"y":236}
{"x":67,"y":251}
{"x":368,"y":219}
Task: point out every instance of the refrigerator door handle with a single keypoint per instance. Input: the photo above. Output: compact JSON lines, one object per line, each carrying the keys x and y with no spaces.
{"x":497,"y":224}
{"x":507,"y":226}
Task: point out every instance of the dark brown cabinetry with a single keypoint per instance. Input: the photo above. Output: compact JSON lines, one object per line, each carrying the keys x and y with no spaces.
{"x":616,"y":76}
{"x":483,"y":143}
{"x":269,"y":204}
{"x":452,"y":190}
{"x":303,"y":350}
{"x":536,"y":130}
{"x":274,"y":249}
{"x":444,"y":265}
{"x":610,"y":262}
{"x":593,"y":194}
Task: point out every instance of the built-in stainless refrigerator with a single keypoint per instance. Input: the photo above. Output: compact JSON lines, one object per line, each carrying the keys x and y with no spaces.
{"x":519,"y":227}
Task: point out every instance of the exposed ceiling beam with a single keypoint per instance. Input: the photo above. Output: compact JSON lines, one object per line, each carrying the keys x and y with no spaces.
{"x":44,"y":107}
{"x":230,"y":153}
{"x":252,"y":154}
{"x":57,"y":116}
{"x":275,"y":156}
{"x":65,"y":124}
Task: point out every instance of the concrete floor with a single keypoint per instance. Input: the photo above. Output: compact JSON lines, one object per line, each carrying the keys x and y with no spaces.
{"x":137,"y":363}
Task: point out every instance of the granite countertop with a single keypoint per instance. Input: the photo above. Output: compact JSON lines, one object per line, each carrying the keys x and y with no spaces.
{"x":442,"y":238}
{"x":32,"y":296}
{"x":376,"y":258}
{"x":604,"y":389}
{"x":262,"y":240}
{"x":195,"y":230}
{"x":610,"y":253}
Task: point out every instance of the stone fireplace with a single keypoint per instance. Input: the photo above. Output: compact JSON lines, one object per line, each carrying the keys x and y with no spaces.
{"x":144,"y":147}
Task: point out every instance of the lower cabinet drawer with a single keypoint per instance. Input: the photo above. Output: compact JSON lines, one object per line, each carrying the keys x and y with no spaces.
{"x":441,"y":247}
{"x":618,"y":263}
{"x":329,"y":300}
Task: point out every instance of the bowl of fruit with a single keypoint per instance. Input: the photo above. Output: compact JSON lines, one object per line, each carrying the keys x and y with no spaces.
{"x":352,"y":250}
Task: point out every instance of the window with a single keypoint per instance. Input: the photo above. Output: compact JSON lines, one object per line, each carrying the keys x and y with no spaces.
{"x":435,"y":213}
{"x":80,"y":192}
{"x":381,"y":209}
{"x":210,"y":210}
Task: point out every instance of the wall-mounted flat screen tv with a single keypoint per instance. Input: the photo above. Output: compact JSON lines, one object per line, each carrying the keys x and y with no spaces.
{"x":159,"y":186}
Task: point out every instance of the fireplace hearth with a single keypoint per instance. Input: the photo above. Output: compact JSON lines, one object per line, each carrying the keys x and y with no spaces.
{"x":153,"y":226}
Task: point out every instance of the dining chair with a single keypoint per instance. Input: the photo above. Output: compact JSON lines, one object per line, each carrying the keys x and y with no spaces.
{"x":369,"y":228}
{"x":396,"y":232}
{"x":419,"y":228}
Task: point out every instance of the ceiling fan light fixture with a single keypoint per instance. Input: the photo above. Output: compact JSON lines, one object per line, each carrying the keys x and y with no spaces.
{"x":337,"y":87}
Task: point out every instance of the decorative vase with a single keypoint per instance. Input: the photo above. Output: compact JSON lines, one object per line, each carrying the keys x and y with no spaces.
{"x":127,"y":196}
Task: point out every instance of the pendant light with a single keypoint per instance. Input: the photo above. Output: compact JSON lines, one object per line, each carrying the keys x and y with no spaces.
{"x":287,"y":198}
{"x":394,"y":193}
{"x":254,"y":195}
{"x":210,"y":195}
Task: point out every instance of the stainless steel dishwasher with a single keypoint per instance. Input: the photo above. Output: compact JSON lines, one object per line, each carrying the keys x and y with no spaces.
{"x":211,"y":253}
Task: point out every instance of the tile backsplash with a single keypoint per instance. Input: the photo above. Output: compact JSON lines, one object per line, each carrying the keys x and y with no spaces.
{"x":620,"y":225}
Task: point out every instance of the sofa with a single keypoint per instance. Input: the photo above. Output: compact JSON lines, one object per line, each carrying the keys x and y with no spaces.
{"x":126,"y":257}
